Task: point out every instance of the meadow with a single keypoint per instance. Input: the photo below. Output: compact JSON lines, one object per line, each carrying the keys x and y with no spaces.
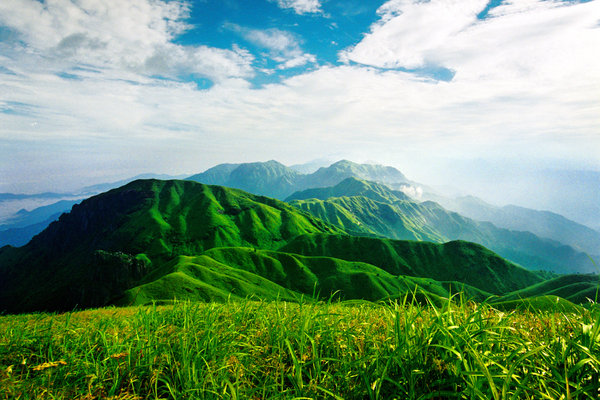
{"x":252,"y":349}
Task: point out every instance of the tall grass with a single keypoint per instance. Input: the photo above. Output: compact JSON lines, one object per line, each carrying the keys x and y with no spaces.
{"x":253,"y":349}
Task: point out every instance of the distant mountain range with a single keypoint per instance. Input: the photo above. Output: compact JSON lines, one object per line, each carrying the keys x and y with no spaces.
{"x":274,"y":179}
{"x":343,"y":231}
{"x":19,"y":230}
{"x":362,"y":207}
{"x":542,"y":223}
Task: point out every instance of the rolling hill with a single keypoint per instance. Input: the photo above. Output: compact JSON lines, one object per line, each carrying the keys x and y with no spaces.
{"x":161,"y":240}
{"x":368,"y":208}
{"x":112,"y":240}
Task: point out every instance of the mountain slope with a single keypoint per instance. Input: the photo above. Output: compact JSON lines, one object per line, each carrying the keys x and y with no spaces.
{"x":351,"y":186}
{"x":542,"y":223}
{"x":398,"y":218}
{"x":453,"y":261}
{"x":110,"y":241}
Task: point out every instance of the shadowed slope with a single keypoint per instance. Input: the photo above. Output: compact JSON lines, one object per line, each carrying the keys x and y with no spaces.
{"x":108,"y":242}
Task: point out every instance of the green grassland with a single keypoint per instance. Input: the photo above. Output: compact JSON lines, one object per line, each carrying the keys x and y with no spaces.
{"x":245,"y":349}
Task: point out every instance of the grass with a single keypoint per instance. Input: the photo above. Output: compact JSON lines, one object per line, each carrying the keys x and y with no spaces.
{"x":244,"y":349}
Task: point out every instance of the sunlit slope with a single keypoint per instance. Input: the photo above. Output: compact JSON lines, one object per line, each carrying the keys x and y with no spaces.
{"x":263,"y":274}
{"x":351,"y":187}
{"x":453,"y":261}
{"x":112,"y":240}
{"x":579,"y":289}
{"x":368,"y":208}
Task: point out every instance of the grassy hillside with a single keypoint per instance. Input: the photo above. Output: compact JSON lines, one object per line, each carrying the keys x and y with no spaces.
{"x":136,"y":228}
{"x":578,"y":289}
{"x":453,"y":261}
{"x":240,"y":272}
{"x":165,"y":240}
{"x":351,"y":187}
{"x":247,"y":350}
{"x":360,"y":215}
{"x":367,"y":208}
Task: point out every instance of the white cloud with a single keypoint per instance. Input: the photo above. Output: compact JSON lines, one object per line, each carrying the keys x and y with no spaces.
{"x":527,"y":83}
{"x":301,"y":6}
{"x":283,"y":47}
{"x":135,"y":35}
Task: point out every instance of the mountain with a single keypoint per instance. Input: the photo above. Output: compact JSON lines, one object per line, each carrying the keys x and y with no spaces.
{"x":343,"y":169}
{"x":269,"y":178}
{"x":453,"y":261}
{"x":542,"y":223}
{"x":373,"y":213}
{"x":25,"y":218}
{"x":274,"y":179}
{"x":110,"y":241}
{"x":22,"y":226}
{"x":351,"y":186}
{"x":159,"y":240}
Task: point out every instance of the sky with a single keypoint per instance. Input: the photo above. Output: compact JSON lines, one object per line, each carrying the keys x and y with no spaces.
{"x":97,"y":90}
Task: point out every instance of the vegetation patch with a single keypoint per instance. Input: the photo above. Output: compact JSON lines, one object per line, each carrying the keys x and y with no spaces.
{"x":244,"y":349}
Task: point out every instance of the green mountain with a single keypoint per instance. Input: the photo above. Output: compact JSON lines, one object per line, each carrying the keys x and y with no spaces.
{"x":352,"y":186}
{"x":110,"y":241}
{"x":241,"y":272}
{"x":274,"y":179}
{"x":368,"y":208}
{"x":459,"y":261}
{"x":160,"y":240}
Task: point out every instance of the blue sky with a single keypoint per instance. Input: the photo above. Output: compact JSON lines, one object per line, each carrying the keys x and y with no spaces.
{"x":96,"y":90}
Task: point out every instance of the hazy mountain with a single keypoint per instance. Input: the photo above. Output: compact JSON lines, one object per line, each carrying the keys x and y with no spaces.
{"x":274,"y":179}
{"x":24,"y":218}
{"x":543,"y":223}
{"x":389,"y":215}
{"x":103,"y":187}
{"x":337,"y":172}
{"x":22,"y":226}
{"x":311,"y":166}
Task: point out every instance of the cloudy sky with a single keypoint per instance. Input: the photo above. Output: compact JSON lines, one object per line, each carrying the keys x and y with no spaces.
{"x":96,"y":90}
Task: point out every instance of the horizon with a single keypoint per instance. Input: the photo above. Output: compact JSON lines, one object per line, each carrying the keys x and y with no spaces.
{"x":444,"y":91}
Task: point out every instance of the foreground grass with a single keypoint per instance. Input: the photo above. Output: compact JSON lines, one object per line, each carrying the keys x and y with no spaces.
{"x":244,"y":350}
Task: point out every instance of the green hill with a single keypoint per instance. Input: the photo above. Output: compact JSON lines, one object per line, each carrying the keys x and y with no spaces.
{"x":578,"y":289}
{"x":164,"y":240}
{"x":367,"y":208}
{"x":110,"y":241}
{"x":240,"y":272}
{"x":453,"y":261}
{"x":351,"y":187}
